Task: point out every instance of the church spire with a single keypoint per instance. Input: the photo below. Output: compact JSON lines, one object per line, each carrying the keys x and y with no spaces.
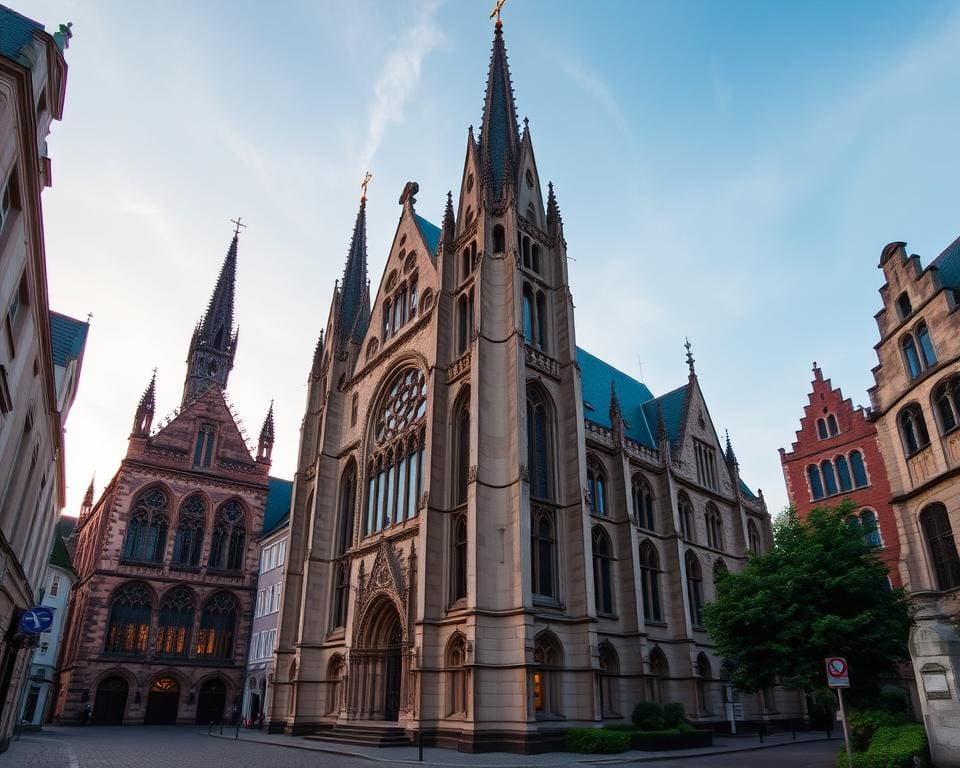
{"x":317,"y":357}
{"x":148,"y":403}
{"x":448,"y":229}
{"x":265,"y":444}
{"x":214,"y":342}
{"x":353,"y":315}
{"x":498,"y":131}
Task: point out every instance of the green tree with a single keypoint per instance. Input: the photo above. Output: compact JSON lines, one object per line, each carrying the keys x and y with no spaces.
{"x":820,"y":592}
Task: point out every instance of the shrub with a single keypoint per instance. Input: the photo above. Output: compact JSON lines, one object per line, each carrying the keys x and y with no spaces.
{"x":596,"y":741}
{"x":896,"y":700}
{"x":673,"y":715}
{"x":864,"y":723}
{"x":892,"y":746}
{"x":648,"y":716}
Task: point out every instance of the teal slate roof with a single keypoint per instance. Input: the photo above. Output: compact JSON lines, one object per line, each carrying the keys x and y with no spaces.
{"x":745,"y":490}
{"x":68,"y":336}
{"x":595,"y":378}
{"x":948,"y":265}
{"x":672,"y":405}
{"x":59,"y":555}
{"x":430,"y":233}
{"x":15,"y":32}
{"x":278,"y":504}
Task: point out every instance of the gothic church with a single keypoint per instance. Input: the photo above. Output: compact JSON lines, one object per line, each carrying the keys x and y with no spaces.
{"x":495,"y":535}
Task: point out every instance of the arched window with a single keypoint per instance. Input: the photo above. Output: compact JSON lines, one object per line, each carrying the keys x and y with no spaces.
{"x":650,"y":581}
{"x":461,"y":444}
{"x":941,"y":546}
{"x":832,"y":425}
{"x":843,"y":473}
{"x":910,"y":357}
{"x":871,"y":529}
{"x":535,"y":258}
{"x":413,"y":297}
{"x":753,"y":537}
{"x":596,"y":488}
{"x":904,"y":308}
{"x":458,"y":558}
{"x":816,"y":484}
{"x":539,"y":444}
{"x":229,"y":536}
{"x":659,"y":677}
{"x":462,"y":320}
{"x":609,"y":678}
{"x":541,"y":318}
{"x":694,"y":589}
{"x":528,"y":314}
{"x":548,"y":656}
{"x":456,"y":659}
{"x":188,"y":542}
{"x":946,"y":399}
{"x":387,"y":317}
{"x":543,"y":546}
{"x":829,"y":480}
{"x":498,"y":239}
{"x":926,"y":346}
{"x":643,"y":503}
{"x":913,"y":429}
{"x":859,"y":470}
{"x":602,"y":570}
{"x":714,"y":526}
{"x":396,"y":465}
{"x":348,"y":502}
{"x":335,"y":673}
{"x":217,"y":626}
{"x":147,"y":531}
{"x":466,"y":264}
{"x":341,"y":592}
{"x":176,"y":622}
{"x":821,"y":429}
{"x":685,"y":508}
{"x":129,"y":625}
{"x":525,"y":250}
{"x":704,"y":675}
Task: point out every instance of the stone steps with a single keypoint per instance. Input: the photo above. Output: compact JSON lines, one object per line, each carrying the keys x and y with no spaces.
{"x":364,"y":735}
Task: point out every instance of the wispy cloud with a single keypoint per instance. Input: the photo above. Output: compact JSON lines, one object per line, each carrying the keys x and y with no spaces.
{"x":399,"y":77}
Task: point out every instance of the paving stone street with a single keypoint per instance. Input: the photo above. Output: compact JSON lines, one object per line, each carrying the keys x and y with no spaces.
{"x":171,"y":747}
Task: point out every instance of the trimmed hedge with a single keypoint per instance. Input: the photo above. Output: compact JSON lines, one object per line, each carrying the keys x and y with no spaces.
{"x":892,"y":746}
{"x":648,"y":716}
{"x":597,"y":741}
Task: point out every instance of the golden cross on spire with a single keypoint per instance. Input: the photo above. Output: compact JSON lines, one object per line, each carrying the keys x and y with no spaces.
{"x":498,"y":6}
{"x":363,"y":184}
{"x":236,"y":232}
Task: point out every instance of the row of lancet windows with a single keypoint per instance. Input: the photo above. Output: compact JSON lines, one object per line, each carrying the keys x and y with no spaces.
{"x":400,"y":308}
{"x":147,"y":531}
{"x":839,"y":475}
{"x":918,"y":352}
{"x":175,"y":632}
{"x":946,"y":405}
{"x":827,"y":427}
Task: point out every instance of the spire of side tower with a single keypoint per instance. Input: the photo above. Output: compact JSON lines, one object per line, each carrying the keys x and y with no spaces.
{"x":499,"y":133}
{"x":148,"y":403}
{"x":265,"y":444}
{"x":353,"y":314}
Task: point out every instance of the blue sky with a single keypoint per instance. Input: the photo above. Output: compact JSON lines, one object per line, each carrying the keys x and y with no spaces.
{"x":726,"y":171}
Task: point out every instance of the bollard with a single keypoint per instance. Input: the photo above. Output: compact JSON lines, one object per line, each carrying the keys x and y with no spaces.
{"x":420,"y":744}
{"x":210,"y":728}
{"x":794,"y":734}
{"x":237,"y":734}
{"x":221,"y":726}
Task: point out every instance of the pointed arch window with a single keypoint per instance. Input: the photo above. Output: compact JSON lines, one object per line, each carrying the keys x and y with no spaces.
{"x":609,"y":678}
{"x":539,"y":444}
{"x":714,"y":526}
{"x":596,"y":488}
{"x":458,"y":559}
{"x":926,"y":346}
{"x":528,"y":321}
{"x":548,"y":657}
{"x":659,"y":678}
{"x":541,"y":315}
{"x":203,"y":449}
{"x":176,"y":622}
{"x":650,"y":581}
{"x":543,"y":546}
{"x":946,"y":398}
{"x":229,"y":537}
{"x":753,"y":537}
{"x":904,"y":308}
{"x":348,"y":502}
{"x":188,"y":542}
{"x":147,"y":531}
{"x":829,"y":479}
{"x":832,"y":425}
{"x":603,"y":571}
{"x":685,"y":509}
{"x":643,"y":503}
{"x":843,"y":473}
{"x":910,"y":357}
{"x":217,"y":627}
{"x":859,"y":469}
{"x":129,"y":625}
{"x":694,"y":589}
{"x":341,"y":592}
{"x":871,"y":528}
{"x":941,"y":546}
{"x":816,"y":483}
{"x":499,"y":239}
{"x":461,"y":445}
{"x":456,"y":660}
{"x":913,"y":429}
{"x":704,"y":674}
{"x":336,"y":670}
{"x":822,"y":429}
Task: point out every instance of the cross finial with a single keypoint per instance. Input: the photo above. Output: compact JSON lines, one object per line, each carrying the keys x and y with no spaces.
{"x":363,"y":184}
{"x":498,"y":6}
{"x":89,"y":317}
{"x":690,"y":359}
{"x":236,"y":221}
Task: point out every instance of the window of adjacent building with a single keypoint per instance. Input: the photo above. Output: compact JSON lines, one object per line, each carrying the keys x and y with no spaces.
{"x":147,"y":530}
{"x":926,"y":346}
{"x":913,"y":429}
{"x":843,"y":473}
{"x":540,"y":446}
{"x":603,"y":571}
{"x":128,"y":627}
{"x":16,"y":313}
{"x":596,"y":488}
{"x":910,"y":357}
{"x":55,"y":585}
{"x":714,"y":526}
{"x":904,"y":307}
{"x":643,"y":503}
{"x":946,"y":400}
{"x":217,"y":626}
{"x":650,"y":581}
{"x":694,"y":589}
{"x":9,"y":200}
{"x":941,"y":546}
{"x":203,"y":450}
{"x":918,"y":351}
{"x":685,"y":509}
{"x":867,"y":521}
{"x":543,"y":546}
{"x":859,"y":469}
{"x":829,"y":479}
{"x":822,"y":429}
{"x":706,"y":458}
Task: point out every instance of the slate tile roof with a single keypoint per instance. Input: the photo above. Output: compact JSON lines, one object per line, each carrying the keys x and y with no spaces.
{"x":431,"y":234}
{"x":948,"y":265}
{"x":15,"y":32}
{"x":278,"y":504}
{"x":68,"y":336}
{"x":59,"y":556}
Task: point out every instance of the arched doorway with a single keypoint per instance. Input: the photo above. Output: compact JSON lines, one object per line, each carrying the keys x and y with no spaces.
{"x":380,"y":664}
{"x":211,"y":701}
{"x":162,"y":702}
{"x":111,"y":701}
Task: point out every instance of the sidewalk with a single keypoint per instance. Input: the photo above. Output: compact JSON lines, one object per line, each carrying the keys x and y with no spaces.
{"x":450,"y":758}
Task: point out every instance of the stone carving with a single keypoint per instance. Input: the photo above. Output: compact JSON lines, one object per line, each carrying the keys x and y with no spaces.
{"x":542,"y":362}
{"x":472,"y":474}
{"x":524,"y":473}
{"x":458,"y":367}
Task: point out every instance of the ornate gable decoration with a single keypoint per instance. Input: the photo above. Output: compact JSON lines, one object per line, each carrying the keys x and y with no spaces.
{"x":388,"y":576}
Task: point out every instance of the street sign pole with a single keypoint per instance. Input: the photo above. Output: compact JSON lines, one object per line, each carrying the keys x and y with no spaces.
{"x":846,"y":735}
{"x":838,"y":676}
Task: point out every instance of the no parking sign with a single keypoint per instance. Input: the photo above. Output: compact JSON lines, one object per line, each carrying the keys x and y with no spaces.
{"x":838,"y":676}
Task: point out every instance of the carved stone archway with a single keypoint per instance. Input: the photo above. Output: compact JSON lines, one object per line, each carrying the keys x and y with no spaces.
{"x":379,"y":679}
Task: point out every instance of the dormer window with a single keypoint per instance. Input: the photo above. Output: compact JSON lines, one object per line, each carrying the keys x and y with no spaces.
{"x":203,"y":452}
{"x":904,"y":307}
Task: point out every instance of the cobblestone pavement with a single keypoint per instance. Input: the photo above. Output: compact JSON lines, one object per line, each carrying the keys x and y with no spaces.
{"x":172,"y":747}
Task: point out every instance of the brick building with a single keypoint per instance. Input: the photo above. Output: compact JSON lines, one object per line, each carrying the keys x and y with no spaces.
{"x":836,"y":457}
{"x":167,"y":557}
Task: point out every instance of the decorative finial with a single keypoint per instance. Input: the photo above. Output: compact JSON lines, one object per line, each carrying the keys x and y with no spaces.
{"x":236,"y":221}
{"x":730,"y":455}
{"x":367,"y":178}
{"x":690,"y":360}
{"x":615,"y":412}
{"x":89,"y":317}
{"x":61,"y":38}
{"x":496,"y":12}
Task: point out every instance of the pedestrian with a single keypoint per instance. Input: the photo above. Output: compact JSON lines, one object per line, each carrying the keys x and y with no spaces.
{"x":86,"y":715}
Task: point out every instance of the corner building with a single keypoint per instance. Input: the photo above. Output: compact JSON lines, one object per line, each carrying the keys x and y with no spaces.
{"x":166,"y":558}
{"x":494,"y":535}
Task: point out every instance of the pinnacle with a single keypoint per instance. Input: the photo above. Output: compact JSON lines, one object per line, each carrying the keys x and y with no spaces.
{"x":266,"y":431}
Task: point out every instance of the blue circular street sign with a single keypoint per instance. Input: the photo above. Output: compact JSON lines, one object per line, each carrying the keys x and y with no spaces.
{"x":36,"y":620}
